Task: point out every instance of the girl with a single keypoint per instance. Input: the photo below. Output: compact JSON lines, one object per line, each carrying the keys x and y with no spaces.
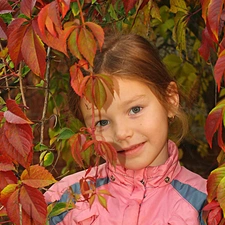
{"x":148,"y":185}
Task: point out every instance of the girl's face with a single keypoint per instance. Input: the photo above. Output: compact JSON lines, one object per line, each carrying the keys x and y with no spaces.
{"x":134,"y":122}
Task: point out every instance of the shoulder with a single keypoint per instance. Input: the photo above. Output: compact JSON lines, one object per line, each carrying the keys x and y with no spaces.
{"x":191,"y":188}
{"x":192,"y":179}
{"x":56,"y":191}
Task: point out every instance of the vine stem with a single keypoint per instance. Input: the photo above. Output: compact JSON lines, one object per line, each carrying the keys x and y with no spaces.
{"x":81,"y":13}
{"x":21,"y":85}
{"x":47,"y":75}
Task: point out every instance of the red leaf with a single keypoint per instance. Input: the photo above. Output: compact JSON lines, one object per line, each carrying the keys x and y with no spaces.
{"x":27,"y":200}
{"x":37,"y":177}
{"x":206,"y":44}
{"x":107,"y":151}
{"x":214,"y":216}
{"x":3,"y":29}
{"x":87,"y":45}
{"x":5,"y":7}
{"x":213,"y":121}
{"x":214,"y":13}
{"x":6,"y":163}
{"x":26,"y":7}
{"x":204,"y":4}
{"x":219,"y":68}
{"x":7,"y":177}
{"x":33,"y":52}
{"x":59,"y":43}
{"x":97,"y":31}
{"x":33,"y":203}
{"x":15,"y":33}
{"x":84,"y":188}
{"x":17,"y":142}
{"x":64,"y":6}
{"x":129,"y":4}
{"x":15,"y":114}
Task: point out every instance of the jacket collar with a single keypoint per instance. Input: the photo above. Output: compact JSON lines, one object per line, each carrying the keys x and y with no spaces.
{"x":156,"y":176}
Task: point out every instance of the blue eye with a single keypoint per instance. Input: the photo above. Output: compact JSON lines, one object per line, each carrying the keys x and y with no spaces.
{"x":135,"y":110}
{"x":102,"y":123}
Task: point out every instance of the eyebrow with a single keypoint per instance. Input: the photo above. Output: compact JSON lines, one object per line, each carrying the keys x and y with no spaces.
{"x":135,"y":98}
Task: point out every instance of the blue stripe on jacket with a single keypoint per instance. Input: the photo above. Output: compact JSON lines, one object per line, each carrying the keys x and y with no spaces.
{"x":76,"y":189}
{"x":195,"y":197}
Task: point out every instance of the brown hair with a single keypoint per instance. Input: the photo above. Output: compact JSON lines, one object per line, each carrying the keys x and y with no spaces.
{"x":132,"y":56}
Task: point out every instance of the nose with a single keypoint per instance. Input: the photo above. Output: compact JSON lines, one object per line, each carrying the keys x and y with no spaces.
{"x":123,"y":131}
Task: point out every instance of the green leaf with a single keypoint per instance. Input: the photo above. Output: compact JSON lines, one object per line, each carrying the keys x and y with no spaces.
{"x":40,"y":147}
{"x":75,"y":8}
{"x":221,"y":193}
{"x":65,"y":133}
{"x":102,"y":201}
{"x":214,"y":179}
{"x":178,"y":5}
{"x":58,"y":208}
{"x":47,"y":158}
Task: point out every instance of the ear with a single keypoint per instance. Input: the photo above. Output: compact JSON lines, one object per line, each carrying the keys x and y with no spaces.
{"x":172,"y":99}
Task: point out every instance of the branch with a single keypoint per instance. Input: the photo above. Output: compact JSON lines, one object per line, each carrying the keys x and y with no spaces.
{"x":21,"y":85}
{"x":47,"y":75}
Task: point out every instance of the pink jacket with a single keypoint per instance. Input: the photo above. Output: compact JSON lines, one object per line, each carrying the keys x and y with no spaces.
{"x":162,"y":195}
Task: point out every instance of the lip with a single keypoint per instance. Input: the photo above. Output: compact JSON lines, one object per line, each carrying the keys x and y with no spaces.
{"x":134,"y":149}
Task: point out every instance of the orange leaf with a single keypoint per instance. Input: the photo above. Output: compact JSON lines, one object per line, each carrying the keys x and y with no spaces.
{"x":50,"y":27}
{"x":97,"y":31}
{"x":15,"y":114}
{"x":64,"y":6}
{"x":87,"y":45}
{"x":78,"y":81}
{"x":7,"y":192}
{"x":72,"y":43}
{"x":17,"y":142}
{"x":15,"y":33}
{"x":214,"y":13}
{"x":37,"y":177}
{"x":49,"y":13}
{"x":7,"y":177}
{"x":33,"y":52}
{"x":205,"y":4}
{"x":76,"y":143}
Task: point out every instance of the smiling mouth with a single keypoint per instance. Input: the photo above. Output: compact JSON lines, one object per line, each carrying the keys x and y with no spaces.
{"x":131,"y":150}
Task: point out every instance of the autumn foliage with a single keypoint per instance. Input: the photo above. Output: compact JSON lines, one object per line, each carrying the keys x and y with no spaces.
{"x":36,"y":35}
